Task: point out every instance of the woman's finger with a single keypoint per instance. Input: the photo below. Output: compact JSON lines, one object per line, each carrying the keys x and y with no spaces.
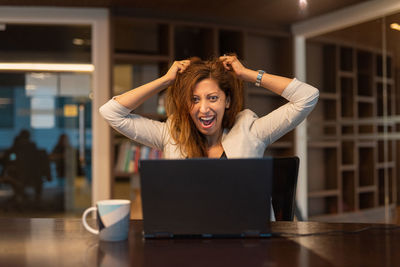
{"x":226,"y":57}
{"x":227,"y":61}
{"x":182,"y":65}
{"x":226,"y":65}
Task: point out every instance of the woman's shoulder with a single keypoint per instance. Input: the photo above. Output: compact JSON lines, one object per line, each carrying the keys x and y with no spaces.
{"x":245,"y":118}
{"x":246,"y":114}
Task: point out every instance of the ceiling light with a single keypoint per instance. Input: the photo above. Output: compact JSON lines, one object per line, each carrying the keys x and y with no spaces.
{"x":47,"y":67}
{"x":78,"y":41}
{"x":303,"y":4}
{"x":395,"y":26}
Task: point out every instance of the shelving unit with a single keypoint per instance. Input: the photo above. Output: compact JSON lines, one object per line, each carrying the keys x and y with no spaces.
{"x":273,"y":54}
{"x":150,"y":45}
{"x":352,"y":157}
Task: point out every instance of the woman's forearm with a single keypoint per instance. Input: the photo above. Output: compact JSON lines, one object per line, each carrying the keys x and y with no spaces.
{"x":135,"y":97}
{"x":274,"y":83}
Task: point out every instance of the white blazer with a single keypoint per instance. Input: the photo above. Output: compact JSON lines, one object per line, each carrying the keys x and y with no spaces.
{"x":248,"y":138}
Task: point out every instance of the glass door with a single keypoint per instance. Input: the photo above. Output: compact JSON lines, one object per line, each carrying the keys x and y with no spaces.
{"x":355,"y":123}
{"x":45,"y":120}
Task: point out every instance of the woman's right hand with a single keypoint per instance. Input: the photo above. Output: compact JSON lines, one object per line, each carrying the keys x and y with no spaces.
{"x":134,"y":98}
{"x":231,"y":62}
{"x":177,"y":67}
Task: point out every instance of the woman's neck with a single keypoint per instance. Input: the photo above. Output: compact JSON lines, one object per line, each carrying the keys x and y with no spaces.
{"x":215,"y":148}
{"x":215,"y":151}
{"x":214,"y":140}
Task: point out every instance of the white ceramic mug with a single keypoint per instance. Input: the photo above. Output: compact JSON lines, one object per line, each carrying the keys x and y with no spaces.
{"x":112,"y":218}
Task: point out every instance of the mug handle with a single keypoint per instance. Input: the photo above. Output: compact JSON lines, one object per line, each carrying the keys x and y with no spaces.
{"x":90,"y":229}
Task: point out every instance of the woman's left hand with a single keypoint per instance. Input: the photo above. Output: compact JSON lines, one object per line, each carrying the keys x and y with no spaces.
{"x":232,"y":63}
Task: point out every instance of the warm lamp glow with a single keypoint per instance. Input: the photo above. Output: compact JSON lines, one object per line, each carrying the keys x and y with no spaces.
{"x":395,"y":26}
{"x":303,"y":4}
{"x":47,"y":67}
{"x":78,"y":41}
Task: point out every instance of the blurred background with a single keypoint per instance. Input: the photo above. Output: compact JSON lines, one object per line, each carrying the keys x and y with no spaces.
{"x":47,"y":92}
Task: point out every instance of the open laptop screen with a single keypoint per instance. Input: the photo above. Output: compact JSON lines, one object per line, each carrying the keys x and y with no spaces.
{"x":206,"y":197}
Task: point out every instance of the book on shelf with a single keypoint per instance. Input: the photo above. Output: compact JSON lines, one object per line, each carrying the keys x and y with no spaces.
{"x":129,"y":154}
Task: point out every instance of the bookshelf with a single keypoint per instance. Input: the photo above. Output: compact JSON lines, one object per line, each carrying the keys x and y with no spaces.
{"x":144,"y":48}
{"x":352,"y":156}
{"x":273,"y":54}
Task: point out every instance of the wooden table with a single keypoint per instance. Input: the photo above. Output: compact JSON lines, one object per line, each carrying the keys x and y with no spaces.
{"x":64,"y":242}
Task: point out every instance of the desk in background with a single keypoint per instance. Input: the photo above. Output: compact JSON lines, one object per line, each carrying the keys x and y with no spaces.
{"x":64,"y":242}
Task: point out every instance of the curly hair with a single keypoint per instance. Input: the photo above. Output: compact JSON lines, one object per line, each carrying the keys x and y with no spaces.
{"x":191,"y":142}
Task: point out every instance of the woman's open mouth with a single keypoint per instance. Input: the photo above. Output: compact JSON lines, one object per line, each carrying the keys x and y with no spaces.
{"x":207,"y":122}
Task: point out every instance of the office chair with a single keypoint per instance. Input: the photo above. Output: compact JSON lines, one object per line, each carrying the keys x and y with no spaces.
{"x":284,"y":187}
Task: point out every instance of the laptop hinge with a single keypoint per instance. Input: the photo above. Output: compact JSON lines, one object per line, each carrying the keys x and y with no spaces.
{"x":163,"y":235}
{"x":251,"y":233}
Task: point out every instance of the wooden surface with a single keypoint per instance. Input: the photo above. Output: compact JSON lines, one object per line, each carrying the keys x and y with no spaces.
{"x":64,"y":242}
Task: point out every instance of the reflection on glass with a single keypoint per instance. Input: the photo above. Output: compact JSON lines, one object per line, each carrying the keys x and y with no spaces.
{"x":42,"y":112}
{"x":354,"y":127}
{"x":395,"y":26}
{"x":45,"y":124}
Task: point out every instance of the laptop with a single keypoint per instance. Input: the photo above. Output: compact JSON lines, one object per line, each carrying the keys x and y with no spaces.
{"x":206,"y":198}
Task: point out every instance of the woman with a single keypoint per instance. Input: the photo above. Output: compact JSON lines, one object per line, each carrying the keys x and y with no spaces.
{"x":205,"y":110}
